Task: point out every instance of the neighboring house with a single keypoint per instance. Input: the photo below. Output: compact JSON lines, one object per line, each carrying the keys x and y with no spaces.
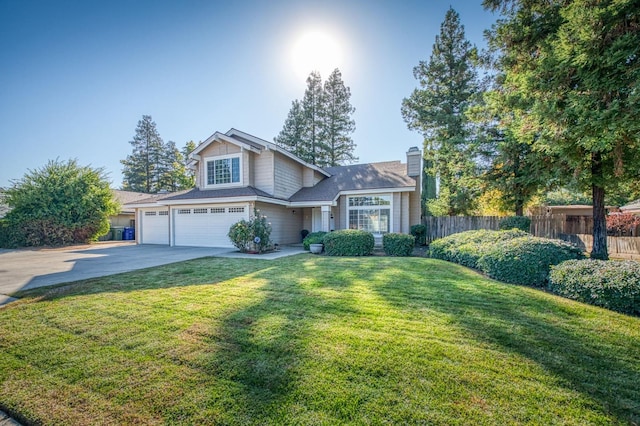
{"x":237,"y":173}
{"x":126,"y":216}
{"x":633,"y":208}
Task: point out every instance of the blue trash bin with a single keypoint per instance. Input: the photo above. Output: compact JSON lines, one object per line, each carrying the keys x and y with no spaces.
{"x":128,"y":234}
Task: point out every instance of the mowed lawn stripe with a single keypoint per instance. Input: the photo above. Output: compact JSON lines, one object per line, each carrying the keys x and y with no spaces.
{"x":314,"y":340}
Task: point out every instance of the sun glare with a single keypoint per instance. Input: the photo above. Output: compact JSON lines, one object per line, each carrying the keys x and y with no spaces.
{"x":316,"y":51}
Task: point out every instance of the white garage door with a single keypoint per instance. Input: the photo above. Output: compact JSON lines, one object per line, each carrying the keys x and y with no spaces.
{"x":207,"y":226}
{"x":154,"y":227}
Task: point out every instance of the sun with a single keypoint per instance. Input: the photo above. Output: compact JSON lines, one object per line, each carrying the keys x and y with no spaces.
{"x":316,"y":51}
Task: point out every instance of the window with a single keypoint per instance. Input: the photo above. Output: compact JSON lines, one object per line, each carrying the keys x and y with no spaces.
{"x":217,"y":210}
{"x":370,"y":213}
{"x":222,"y":171}
{"x":163,"y":213}
{"x":197,"y":211}
{"x":236,"y":209}
{"x":149,"y":213}
{"x":184,"y":211}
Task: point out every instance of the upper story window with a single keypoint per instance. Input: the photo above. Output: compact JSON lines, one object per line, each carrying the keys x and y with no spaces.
{"x":223,"y":170}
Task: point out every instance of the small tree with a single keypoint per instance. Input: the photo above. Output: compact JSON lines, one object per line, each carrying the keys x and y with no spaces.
{"x":61,"y":203}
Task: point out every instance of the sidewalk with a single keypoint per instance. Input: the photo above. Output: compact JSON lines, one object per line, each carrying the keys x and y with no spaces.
{"x":5,"y":420}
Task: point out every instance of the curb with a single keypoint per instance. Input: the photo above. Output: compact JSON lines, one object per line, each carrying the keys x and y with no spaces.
{"x":4,"y":300}
{"x":5,"y":420}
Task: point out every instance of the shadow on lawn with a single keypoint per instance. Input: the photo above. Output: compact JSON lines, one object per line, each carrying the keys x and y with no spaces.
{"x":537,"y":328}
{"x":267,"y":342}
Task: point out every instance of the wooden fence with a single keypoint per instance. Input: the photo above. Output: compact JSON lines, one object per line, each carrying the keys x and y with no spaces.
{"x":441,"y":226}
{"x":576,"y":229}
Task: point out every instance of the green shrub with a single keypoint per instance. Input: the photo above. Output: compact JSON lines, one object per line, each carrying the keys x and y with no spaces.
{"x":349,"y":242}
{"x":9,"y":236}
{"x":313,"y":238}
{"x":254,"y":234}
{"x":465,"y":248}
{"x":398,"y":244}
{"x":515,"y":222}
{"x":609,"y":284}
{"x":420,"y":233}
{"x":525,"y":260}
{"x":241,"y":235}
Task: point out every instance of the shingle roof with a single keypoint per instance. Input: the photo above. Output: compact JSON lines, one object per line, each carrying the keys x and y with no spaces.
{"x":635,"y":205}
{"x":193,"y":194}
{"x":390,"y":174}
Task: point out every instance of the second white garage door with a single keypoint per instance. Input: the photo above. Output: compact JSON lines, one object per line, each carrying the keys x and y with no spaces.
{"x":206,"y":226}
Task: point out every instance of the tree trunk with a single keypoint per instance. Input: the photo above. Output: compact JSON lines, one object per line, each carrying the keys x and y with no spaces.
{"x":599,"y":250}
{"x":519,"y":208}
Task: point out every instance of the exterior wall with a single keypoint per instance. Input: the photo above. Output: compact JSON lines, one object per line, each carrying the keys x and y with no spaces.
{"x":263,"y":171}
{"x":307,"y":219}
{"x":123,"y":219}
{"x":415,"y":198}
{"x":213,"y":150}
{"x":405,"y":225}
{"x":285,"y":224}
{"x":288,"y":176}
{"x":396,"y":215}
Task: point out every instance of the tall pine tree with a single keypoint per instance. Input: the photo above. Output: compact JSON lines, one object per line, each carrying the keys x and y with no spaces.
{"x":313,"y":107}
{"x":153,"y":165}
{"x":292,"y":135}
{"x":318,"y":128}
{"x":338,"y":124}
{"x":142,"y":169}
{"x":448,"y":88}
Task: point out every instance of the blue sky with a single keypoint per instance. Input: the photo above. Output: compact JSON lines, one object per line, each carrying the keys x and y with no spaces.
{"x":76,"y":76}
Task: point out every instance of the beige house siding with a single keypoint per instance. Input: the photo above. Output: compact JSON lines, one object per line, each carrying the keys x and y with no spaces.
{"x":285,"y":225}
{"x":415,"y":211}
{"x":306,"y":218}
{"x":122,"y":219}
{"x":214,"y":150}
{"x":396,"y":214}
{"x":288,"y":176}
{"x":263,"y":171}
{"x":405,"y":226}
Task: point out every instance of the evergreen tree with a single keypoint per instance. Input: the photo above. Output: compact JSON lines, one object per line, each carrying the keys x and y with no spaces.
{"x":448,"y":88}
{"x":313,"y":111}
{"x":578,"y":64}
{"x":143,"y":168}
{"x":189,"y":179}
{"x":337,"y":123}
{"x":292,"y":135}
{"x":318,"y":128}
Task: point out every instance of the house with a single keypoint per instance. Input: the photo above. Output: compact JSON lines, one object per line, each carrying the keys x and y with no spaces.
{"x":633,"y":208}
{"x":126,"y":216}
{"x":237,"y":173}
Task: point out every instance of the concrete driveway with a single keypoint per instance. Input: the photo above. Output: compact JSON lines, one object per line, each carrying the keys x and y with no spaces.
{"x":25,"y":269}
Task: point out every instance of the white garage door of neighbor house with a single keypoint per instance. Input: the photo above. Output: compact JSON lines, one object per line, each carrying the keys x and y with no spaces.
{"x":206,"y":226}
{"x":155,"y":227}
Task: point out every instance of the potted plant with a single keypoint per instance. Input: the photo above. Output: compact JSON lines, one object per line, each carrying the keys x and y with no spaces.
{"x":316,"y":248}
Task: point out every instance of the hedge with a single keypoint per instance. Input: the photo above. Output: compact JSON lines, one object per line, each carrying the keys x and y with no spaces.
{"x":466,"y":248}
{"x":313,"y":238}
{"x":511,"y":256}
{"x":522,"y":223}
{"x":526,"y":260}
{"x":349,"y":242}
{"x":398,"y":244}
{"x":420,"y":233}
{"x":613,"y":285}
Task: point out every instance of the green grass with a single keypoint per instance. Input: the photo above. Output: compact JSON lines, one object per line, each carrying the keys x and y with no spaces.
{"x":314,"y":340}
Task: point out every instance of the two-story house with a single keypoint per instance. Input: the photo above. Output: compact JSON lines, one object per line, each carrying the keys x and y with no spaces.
{"x":237,"y":173}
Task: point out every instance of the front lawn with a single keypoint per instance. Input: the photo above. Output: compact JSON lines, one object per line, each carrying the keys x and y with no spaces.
{"x":314,"y":340}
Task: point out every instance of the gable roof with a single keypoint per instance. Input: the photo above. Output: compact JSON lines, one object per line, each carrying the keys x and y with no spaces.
{"x":191,"y":195}
{"x":389,"y":175}
{"x":250,"y":142}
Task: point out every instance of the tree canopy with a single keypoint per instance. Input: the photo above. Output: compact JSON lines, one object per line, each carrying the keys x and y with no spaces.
{"x":449,"y":87}
{"x":154,"y":165}
{"x":318,"y":128}
{"x":60,"y":203}
{"x":577,"y":64}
